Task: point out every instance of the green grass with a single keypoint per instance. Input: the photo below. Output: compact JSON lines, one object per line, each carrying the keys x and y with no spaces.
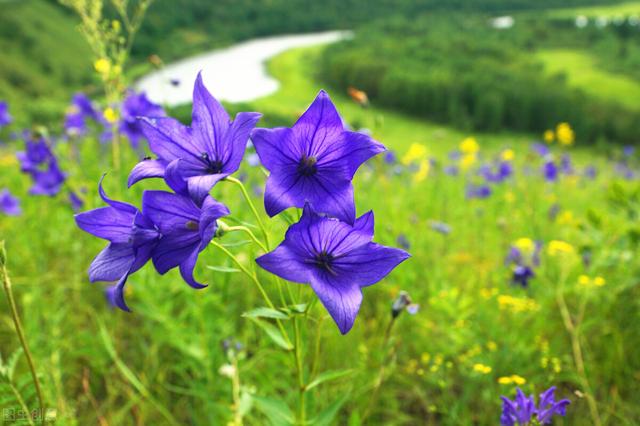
{"x":42,"y":58}
{"x":582,"y":72}
{"x":609,"y":11}
{"x":162,"y":362}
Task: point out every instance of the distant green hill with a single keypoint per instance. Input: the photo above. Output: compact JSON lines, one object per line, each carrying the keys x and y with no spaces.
{"x":43,"y":58}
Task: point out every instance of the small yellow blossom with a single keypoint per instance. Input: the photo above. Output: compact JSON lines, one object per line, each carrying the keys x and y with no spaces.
{"x":599,"y":281}
{"x":566,"y":218}
{"x":110,"y":115}
{"x":513,"y":379}
{"x":422,"y":172}
{"x":507,"y":155}
{"x":509,"y":197}
{"x":469,"y":146}
{"x":492,"y":346}
{"x":565,"y":134}
{"x":557,"y":247}
{"x":102,"y":66}
{"x":8,"y":160}
{"x":481,"y":368}
{"x":115,"y":25}
{"x":525,"y":245}
{"x":549,"y":136}
{"x":467,"y":161}
{"x":586,"y":281}
{"x":516,"y":304}
{"x":417,"y":152}
{"x":488,"y":293}
{"x":425,"y":358}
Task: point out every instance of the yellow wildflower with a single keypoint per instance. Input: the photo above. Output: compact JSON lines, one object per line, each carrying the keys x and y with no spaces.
{"x":467,"y":161}
{"x":102,"y":66}
{"x":565,"y":134}
{"x":525,"y":245}
{"x":549,"y":136}
{"x":557,"y":247}
{"x":507,"y":155}
{"x":599,"y":281}
{"x":481,"y":368}
{"x":422,"y":172}
{"x":8,"y":160}
{"x":110,"y":115}
{"x":566,"y":218}
{"x":515,"y":304}
{"x":417,"y":152}
{"x":509,"y":197}
{"x":492,"y":346}
{"x":469,"y":146}
{"x":115,"y":25}
{"x":513,"y":379}
{"x":584,"y":280}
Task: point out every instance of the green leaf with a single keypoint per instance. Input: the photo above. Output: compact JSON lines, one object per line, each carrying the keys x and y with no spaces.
{"x":273,"y":333}
{"x":327,"y":376}
{"x":265,"y":313}
{"x":300,"y":308}
{"x":276,"y":410}
{"x":222,"y":268}
{"x":327,"y":416}
{"x":237,"y":243}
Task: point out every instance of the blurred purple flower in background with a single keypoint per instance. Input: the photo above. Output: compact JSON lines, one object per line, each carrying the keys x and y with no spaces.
{"x":403,"y":302}
{"x":39,"y":161}
{"x":390,"y":157}
{"x":440,"y":227}
{"x":590,"y":172}
{"x":5,"y":117}
{"x":137,"y":105}
{"x":337,"y":259}
{"x":477,"y":191}
{"x":193,"y":159}
{"x":628,"y":151}
{"x":313,"y":162}
{"x":550,"y":171}
{"x":81,"y":109}
{"x":75,"y":201}
{"x":522,"y":409}
{"x":541,"y":149}
{"x":524,"y":255}
{"x":9,"y":204}
{"x":403,"y":242}
{"x":565,"y":164}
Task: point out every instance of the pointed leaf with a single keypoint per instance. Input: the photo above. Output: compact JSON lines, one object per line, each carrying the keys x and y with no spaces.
{"x":327,"y":416}
{"x":327,"y":376}
{"x":224,"y":269}
{"x":276,"y":410}
{"x":263,"y":312}
{"x":273,"y":333}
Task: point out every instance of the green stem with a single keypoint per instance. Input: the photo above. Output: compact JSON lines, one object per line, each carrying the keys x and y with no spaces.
{"x":300,"y":372}
{"x":246,"y":231}
{"x":255,"y":280}
{"x":252,"y":207}
{"x":381,"y":371}
{"x":6,"y":282}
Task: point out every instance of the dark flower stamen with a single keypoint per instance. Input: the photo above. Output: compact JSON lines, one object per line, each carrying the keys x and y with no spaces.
{"x":191,"y":225}
{"x":214,"y":167}
{"x":307,"y":166}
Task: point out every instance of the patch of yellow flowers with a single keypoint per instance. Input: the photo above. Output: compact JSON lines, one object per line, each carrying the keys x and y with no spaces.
{"x":514,"y":379}
{"x":564,"y":134}
{"x":586,"y":281}
{"x":469,"y":148}
{"x":559,"y":248}
{"x":517,"y":304}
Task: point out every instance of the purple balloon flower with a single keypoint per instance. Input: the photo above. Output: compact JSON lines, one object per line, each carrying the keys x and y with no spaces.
{"x":186,"y":228}
{"x":38,"y":161}
{"x":541,"y":149}
{"x":9,"y":204}
{"x":478,"y":191}
{"x":137,"y":105}
{"x":193,"y":159}
{"x":5,"y":117}
{"x":550,"y":171}
{"x":313,"y":162}
{"x":522,"y":409}
{"x":132,"y":237}
{"x":337,"y":259}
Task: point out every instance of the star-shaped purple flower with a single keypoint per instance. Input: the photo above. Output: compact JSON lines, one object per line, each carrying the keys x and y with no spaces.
{"x":522,"y":409}
{"x":196,"y":157}
{"x":313,"y":162}
{"x":9,"y":204}
{"x":337,"y":259}
{"x":186,"y":228}
{"x":132,"y":237}
{"x":137,"y":105}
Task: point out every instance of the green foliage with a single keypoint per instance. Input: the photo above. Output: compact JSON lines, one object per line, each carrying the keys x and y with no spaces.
{"x":457,"y":69}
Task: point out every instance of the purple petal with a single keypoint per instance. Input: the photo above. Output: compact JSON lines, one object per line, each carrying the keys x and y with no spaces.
{"x":187,"y":267}
{"x":118,"y":205}
{"x":209,"y":118}
{"x":111,"y":263}
{"x":147,"y":169}
{"x":118,"y":293}
{"x":170,"y":212}
{"x":319,"y":127}
{"x":173,"y":249}
{"x":353,"y":148}
{"x":285,"y":263}
{"x":342,"y":302}
{"x":275,"y":147}
{"x":368,"y":264}
{"x":236,"y":139}
{"x":212,"y":210}
{"x":365,"y":223}
{"x":199,"y":186}
{"x":107,"y":223}
{"x":169,"y":139}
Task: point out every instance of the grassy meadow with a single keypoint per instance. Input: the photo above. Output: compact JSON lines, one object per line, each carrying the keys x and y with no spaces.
{"x":475,"y":337}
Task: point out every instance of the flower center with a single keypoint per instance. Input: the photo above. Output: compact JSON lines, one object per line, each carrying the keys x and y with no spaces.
{"x":307,"y":166}
{"x":191,"y":225}
{"x":324,"y":261}
{"x":213,"y":167}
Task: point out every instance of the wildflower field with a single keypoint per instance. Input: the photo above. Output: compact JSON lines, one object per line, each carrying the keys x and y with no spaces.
{"x":318,"y":256}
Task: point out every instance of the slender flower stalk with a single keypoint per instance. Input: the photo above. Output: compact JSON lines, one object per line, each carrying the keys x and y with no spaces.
{"x":6,"y":283}
{"x":247,"y":198}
